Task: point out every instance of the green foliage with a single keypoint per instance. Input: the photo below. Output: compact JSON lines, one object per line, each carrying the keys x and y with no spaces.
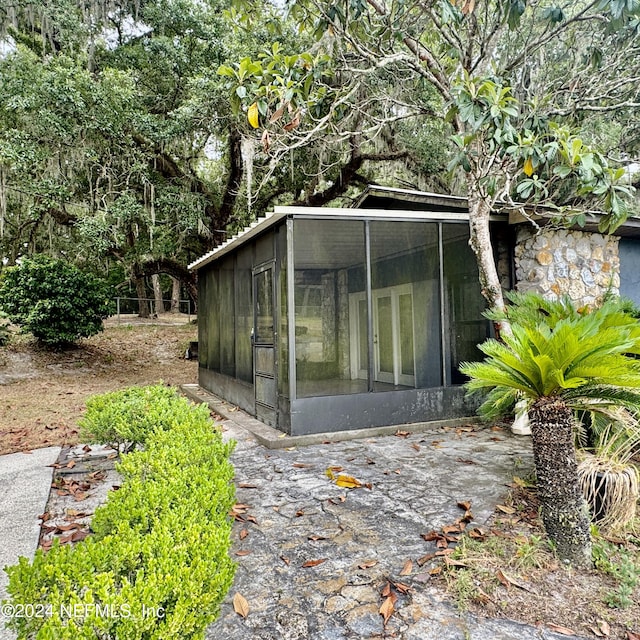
{"x":132,"y":415}
{"x":4,"y":330}
{"x":54,"y":300}
{"x":158,"y":565}
{"x":278,"y":86}
{"x":557,"y":350}
{"x":620,"y":564}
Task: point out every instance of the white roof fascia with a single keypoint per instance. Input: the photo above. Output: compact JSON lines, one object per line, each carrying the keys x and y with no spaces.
{"x":328,"y":213}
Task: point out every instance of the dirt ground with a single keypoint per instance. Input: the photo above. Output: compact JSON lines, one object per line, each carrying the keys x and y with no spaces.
{"x":43,"y":393}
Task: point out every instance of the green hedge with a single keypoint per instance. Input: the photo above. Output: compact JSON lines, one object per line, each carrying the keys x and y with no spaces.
{"x":131,"y":415}
{"x":161,"y":541}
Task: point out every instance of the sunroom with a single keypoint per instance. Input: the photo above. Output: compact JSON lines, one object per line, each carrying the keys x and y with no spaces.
{"x":319,"y":320}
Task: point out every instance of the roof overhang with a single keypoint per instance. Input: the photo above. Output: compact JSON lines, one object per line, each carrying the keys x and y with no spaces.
{"x":456,"y":214}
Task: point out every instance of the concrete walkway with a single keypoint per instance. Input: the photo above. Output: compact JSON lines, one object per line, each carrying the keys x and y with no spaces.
{"x":25,"y":482}
{"x":313,"y":557}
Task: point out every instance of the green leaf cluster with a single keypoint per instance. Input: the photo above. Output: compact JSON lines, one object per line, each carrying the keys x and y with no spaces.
{"x":54,"y":300}
{"x":586,"y":356}
{"x":131,"y":416}
{"x":279,"y":84}
{"x":161,"y":541}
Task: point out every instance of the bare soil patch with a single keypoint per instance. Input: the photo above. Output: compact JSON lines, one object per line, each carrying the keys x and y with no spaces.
{"x":43,"y":393}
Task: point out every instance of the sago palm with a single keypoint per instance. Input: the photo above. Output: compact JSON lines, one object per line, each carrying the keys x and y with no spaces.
{"x":560,"y":359}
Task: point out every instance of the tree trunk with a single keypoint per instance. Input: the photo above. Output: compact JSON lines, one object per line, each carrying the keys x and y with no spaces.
{"x":157,"y":293}
{"x":480,"y":242}
{"x":141,"y":292}
{"x":564,"y":511}
{"x":175,"y":295}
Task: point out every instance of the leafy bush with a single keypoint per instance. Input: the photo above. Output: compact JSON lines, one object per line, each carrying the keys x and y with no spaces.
{"x":158,"y":565}
{"x":131,"y":415}
{"x":4,"y":330}
{"x":54,"y":300}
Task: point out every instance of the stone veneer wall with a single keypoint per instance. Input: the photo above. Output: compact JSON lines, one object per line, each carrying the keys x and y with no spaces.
{"x":556,"y":262}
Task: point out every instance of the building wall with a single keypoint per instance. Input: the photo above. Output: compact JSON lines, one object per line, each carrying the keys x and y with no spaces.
{"x":557,"y":262}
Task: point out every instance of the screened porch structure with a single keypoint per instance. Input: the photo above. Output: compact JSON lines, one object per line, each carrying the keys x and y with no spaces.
{"x":319,"y":320}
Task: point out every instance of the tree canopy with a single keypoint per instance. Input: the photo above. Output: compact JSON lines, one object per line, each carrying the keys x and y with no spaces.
{"x":540,"y":99}
{"x":138,"y":133}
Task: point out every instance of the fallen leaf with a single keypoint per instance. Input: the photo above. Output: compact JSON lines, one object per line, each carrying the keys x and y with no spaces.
{"x":453,"y":528}
{"x":68,"y":527}
{"x":71,"y":464}
{"x":604,"y":627}
{"x":465,"y":461}
{"x":416,"y":446}
{"x":243,"y":534}
{"x":242,"y":552}
{"x":286,"y":560}
{"x":431,"y":536}
{"x":315,"y":538}
{"x":302,"y":465}
{"x":240,"y":605}
{"x":86,"y":448}
{"x":565,"y":631}
{"x":450,"y":562}
{"x":386,"y":590}
{"x":299,"y":513}
{"x":505,"y":509}
{"x":407,"y":568}
{"x":402,"y":434}
{"x":507,"y":581}
{"x":348,"y":482}
{"x":367,"y":564}
{"x":477,"y":533}
{"x":401,"y":587}
{"x":387,"y":608}
{"x":247,"y":485}
{"x":313,"y":563}
{"x":424,"y":559}
{"x":435,"y":571}
{"x":633,"y":636}
{"x":465,"y":505}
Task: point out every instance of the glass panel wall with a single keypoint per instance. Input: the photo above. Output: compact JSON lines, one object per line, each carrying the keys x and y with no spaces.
{"x":283,"y":334}
{"x":406,"y":305}
{"x":329,"y":258}
{"x":208,"y":320}
{"x":226,"y":313}
{"x":464,"y":303}
{"x":244,"y":314}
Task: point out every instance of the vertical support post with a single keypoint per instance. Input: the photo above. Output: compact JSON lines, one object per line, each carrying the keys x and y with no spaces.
{"x":443,"y":327}
{"x":369,"y":293}
{"x":118,"y":308}
{"x":291,"y":312}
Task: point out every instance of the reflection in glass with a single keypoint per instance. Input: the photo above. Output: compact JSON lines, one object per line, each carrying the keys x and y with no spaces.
{"x":464,"y":303}
{"x":264,"y":330}
{"x":406,"y":301}
{"x":329,"y":257}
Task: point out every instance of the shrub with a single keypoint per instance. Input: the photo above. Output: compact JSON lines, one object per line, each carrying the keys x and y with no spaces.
{"x":131,"y":415}
{"x":54,"y":300}
{"x":160,"y":542}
